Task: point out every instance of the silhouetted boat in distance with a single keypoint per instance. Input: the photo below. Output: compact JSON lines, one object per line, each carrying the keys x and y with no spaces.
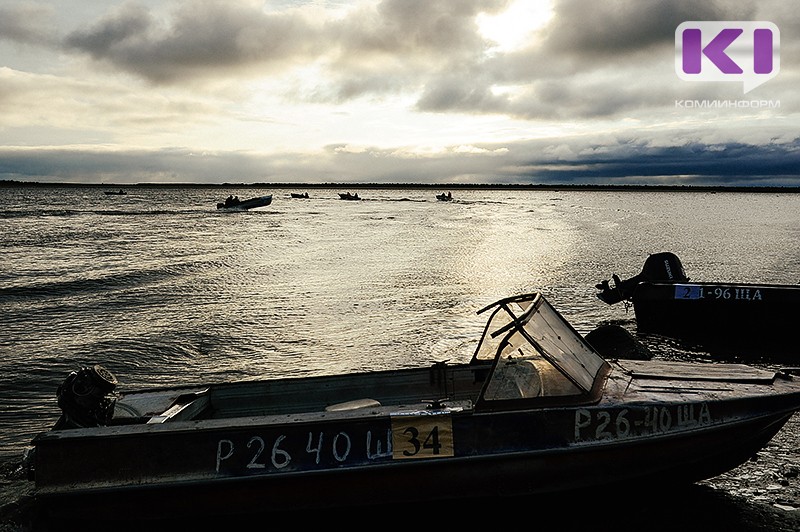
{"x":235,"y":204}
{"x":298,"y":195}
{"x":348,"y":196}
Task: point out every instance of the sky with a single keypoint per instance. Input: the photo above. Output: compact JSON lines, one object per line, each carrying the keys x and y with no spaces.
{"x":398,"y":91}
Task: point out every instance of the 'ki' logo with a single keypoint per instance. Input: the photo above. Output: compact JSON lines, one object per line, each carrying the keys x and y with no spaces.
{"x":747,"y":52}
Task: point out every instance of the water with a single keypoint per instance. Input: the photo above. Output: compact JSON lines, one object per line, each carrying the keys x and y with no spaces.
{"x":162,"y":288}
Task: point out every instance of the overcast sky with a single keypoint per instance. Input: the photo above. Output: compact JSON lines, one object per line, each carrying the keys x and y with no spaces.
{"x":387,"y":91}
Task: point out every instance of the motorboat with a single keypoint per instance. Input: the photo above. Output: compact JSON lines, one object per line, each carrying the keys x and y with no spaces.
{"x":536,"y":410}
{"x":752,"y":320}
{"x":348,"y":196}
{"x":235,"y":204}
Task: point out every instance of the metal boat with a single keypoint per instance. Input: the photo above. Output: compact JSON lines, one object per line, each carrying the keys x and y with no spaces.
{"x":235,"y":204}
{"x":537,"y":410}
{"x":745,"y":320}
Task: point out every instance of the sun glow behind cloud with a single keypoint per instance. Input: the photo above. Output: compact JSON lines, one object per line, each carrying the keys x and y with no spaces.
{"x":513,"y":28}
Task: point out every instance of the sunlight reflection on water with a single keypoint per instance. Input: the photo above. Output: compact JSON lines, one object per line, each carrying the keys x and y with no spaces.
{"x":163,"y":289}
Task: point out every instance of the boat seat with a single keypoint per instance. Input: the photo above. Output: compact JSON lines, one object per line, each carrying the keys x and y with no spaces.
{"x":352,"y":405}
{"x":183,"y":409}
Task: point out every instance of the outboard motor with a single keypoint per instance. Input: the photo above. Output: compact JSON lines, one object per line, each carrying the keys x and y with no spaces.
{"x":86,"y":398}
{"x":659,"y":267}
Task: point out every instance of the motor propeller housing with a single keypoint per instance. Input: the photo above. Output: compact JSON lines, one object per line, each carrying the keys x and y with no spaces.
{"x":662,"y":267}
{"x":86,"y":398}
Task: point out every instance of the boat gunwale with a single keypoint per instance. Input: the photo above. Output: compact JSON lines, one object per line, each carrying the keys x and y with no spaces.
{"x":769,"y":422}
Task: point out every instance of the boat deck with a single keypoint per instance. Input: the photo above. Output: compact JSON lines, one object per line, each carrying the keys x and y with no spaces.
{"x":440,"y":382}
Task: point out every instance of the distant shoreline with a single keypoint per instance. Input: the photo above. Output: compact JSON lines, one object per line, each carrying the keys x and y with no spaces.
{"x":437,"y":186}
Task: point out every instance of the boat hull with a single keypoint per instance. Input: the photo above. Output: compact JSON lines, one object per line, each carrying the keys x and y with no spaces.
{"x":252,"y":203}
{"x":750,"y":320}
{"x":535,"y":411}
{"x":266,"y":468}
{"x":636,"y":467}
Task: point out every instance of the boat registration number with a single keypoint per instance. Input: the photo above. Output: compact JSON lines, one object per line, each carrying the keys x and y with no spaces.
{"x":603,"y":424}
{"x":401,"y":437}
{"x":733,"y":293}
{"x":422,"y":437}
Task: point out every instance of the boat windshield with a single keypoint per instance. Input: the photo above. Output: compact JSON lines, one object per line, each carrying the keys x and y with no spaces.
{"x":536,"y":352}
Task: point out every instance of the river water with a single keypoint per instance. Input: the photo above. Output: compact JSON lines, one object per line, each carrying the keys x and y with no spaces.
{"x":162,"y":288}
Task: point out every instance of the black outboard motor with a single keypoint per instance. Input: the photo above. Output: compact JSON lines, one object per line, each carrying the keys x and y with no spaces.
{"x":659,"y":267}
{"x":86,"y":398}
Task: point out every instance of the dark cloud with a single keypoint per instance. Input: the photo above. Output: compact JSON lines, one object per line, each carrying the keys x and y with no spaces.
{"x":568,"y":99}
{"x":179,"y":165}
{"x":359,"y":82}
{"x":691,"y":163}
{"x":399,"y":45}
{"x":207,"y":39}
{"x":202,"y":39}
{"x":434,"y":29}
{"x":27,"y":24}
{"x":464,"y":91}
{"x":128,"y":25}
{"x":589,"y":94}
{"x":573,"y":160}
{"x":617,"y":27}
